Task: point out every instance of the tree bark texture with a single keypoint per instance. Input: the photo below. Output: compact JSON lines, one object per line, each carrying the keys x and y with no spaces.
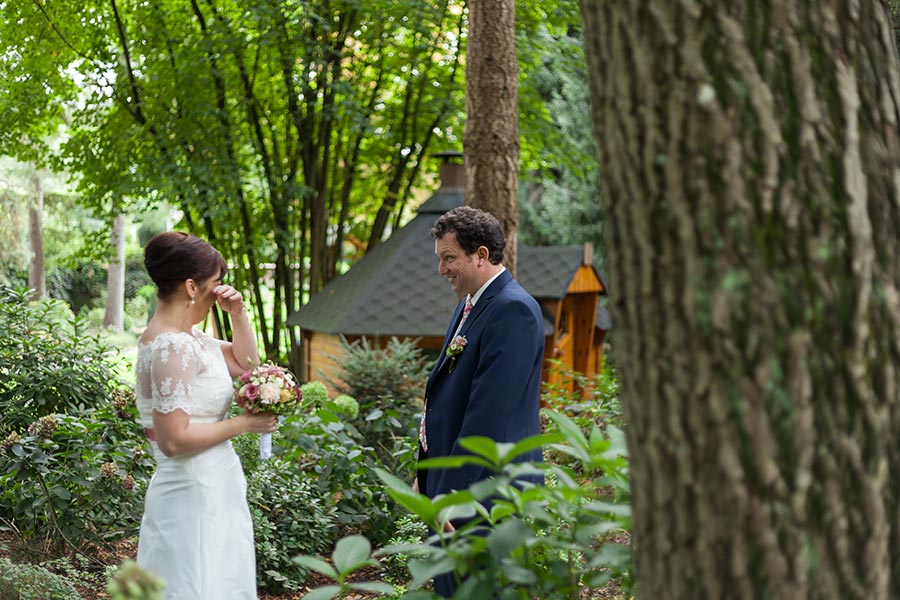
{"x":37,"y":277}
{"x":491,"y":138}
{"x":751,"y":185}
{"x":115,"y":278}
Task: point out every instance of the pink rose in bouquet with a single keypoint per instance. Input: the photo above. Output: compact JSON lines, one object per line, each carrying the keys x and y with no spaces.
{"x":267,"y":388}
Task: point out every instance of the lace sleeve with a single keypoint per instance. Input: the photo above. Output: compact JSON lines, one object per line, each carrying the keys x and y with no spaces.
{"x":174,"y":367}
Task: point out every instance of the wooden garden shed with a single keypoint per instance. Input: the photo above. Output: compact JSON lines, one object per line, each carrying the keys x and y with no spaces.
{"x":395,"y":291}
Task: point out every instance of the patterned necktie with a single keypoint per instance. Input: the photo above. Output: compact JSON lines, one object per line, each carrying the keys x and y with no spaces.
{"x":422,"y":438}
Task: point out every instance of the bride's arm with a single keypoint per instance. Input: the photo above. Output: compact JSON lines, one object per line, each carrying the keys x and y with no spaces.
{"x":241,"y":353}
{"x":176,"y":435}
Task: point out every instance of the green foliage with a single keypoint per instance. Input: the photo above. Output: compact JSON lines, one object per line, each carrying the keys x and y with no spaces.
{"x":217,"y":102}
{"x":409,"y":531}
{"x":549,"y":542}
{"x":560,"y":180}
{"x":131,"y":582}
{"x":48,"y":364}
{"x":290,"y":515}
{"x":375,"y":376}
{"x":350,"y":555}
{"x":32,"y":582}
{"x":314,"y":393}
{"x":591,"y":401}
{"x":331,"y":452}
{"x":76,"y":481}
{"x":347,"y":405}
{"x":388,"y":383}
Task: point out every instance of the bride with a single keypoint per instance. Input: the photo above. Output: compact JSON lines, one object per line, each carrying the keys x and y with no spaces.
{"x":196,"y":532}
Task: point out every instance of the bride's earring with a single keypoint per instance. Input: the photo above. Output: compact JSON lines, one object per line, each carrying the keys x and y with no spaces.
{"x":192,"y":300}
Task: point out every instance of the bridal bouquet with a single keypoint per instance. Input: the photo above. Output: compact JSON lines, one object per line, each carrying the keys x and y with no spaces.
{"x":267,"y":389}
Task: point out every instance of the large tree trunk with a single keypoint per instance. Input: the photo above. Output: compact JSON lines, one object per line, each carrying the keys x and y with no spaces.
{"x":115,"y":278}
{"x":751,"y":173}
{"x":37,"y":278}
{"x":491,"y":139}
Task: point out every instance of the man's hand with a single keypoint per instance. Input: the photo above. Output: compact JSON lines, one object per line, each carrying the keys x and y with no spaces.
{"x":415,"y":485}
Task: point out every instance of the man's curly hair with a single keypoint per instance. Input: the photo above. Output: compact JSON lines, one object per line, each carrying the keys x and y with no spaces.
{"x":473,"y":228}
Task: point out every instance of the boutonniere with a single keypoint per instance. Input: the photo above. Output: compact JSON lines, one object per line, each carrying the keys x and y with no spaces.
{"x":455,"y":349}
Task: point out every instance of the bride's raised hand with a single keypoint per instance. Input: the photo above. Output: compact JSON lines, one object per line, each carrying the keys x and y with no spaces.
{"x":229,"y":299}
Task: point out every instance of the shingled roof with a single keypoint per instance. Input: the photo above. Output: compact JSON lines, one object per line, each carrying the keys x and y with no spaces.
{"x":395,"y":290}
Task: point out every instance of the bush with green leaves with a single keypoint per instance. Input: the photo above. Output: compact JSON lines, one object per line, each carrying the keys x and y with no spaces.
{"x":550,"y":542}
{"x":290,"y":515}
{"x":388,"y":384}
{"x":23,"y":581}
{"x":333,"y":453}
{"x":395,"y":373}
{"x":314,"y":393}
{"x":410,"y":530}
{"x":48,"y":363}
{"x":346,"y":405}
{"x":74,"y":482}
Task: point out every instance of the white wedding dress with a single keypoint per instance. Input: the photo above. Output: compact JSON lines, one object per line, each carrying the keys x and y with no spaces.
{"x":196,"y":533}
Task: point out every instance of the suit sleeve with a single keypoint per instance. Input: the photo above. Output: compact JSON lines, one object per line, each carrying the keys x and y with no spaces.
{"x":511,"y":354}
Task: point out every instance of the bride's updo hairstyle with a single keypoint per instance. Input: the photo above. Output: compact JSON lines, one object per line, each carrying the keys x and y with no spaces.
{"x":172,"y":257}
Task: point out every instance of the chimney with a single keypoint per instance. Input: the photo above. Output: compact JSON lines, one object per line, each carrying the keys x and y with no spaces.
{"x":588,"y":255}
{"x":453,"y":172}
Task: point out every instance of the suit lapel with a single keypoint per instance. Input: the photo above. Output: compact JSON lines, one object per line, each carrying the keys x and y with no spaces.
{"x":485,"y":299}
{"x":457,"y":315}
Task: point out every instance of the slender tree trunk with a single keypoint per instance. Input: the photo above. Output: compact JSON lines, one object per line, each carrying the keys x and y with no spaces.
{"x":751,"y":172}
{"x":37,"y":278}
{"x":491,"y":146}
{"x":115,"y":278}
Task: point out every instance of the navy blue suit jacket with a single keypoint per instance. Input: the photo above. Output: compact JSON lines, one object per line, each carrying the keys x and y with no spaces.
{"x":494,"y":388}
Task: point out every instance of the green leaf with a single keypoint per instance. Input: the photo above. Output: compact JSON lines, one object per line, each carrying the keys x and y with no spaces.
{"x":61,"y":492}
{"x":569,"y":429}
{"x":623,"y":510}
{"x":323,"y":593}
{"x":425,"y":570}
{"x":374,"y":587}
{"x":417,"y":595}
{"x":453,"y":498}
{"x":454,"y":462}
{"x":350,"y":553}
{"x":316,"y":564}
{"x":508,"y":536}
{"x":579,"y":453}
{"x":528,"y":444}
{"x":417,"y":504}
{"x":482,"y":446}
{"x":517,"y":574}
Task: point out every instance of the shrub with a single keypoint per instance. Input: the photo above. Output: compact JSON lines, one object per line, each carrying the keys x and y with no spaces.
{"x":332,"y":453}
{"x":33,"y":582}
{"x":48,"y":364}
{"x":552,"y":542}
{"x":75,"y":481}
{"x":347,"y":405}
{"x":314,"y":393}
{"x":290,"y":516}
{"x":410,"y":530}
{"x":388,"y":383}
{"x":395,"y":373}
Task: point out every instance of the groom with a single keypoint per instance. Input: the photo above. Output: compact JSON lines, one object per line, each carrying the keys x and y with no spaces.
{"x":487,"y":379}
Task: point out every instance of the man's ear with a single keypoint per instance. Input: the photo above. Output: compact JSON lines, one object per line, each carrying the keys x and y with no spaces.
{"x":483,"y":253}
